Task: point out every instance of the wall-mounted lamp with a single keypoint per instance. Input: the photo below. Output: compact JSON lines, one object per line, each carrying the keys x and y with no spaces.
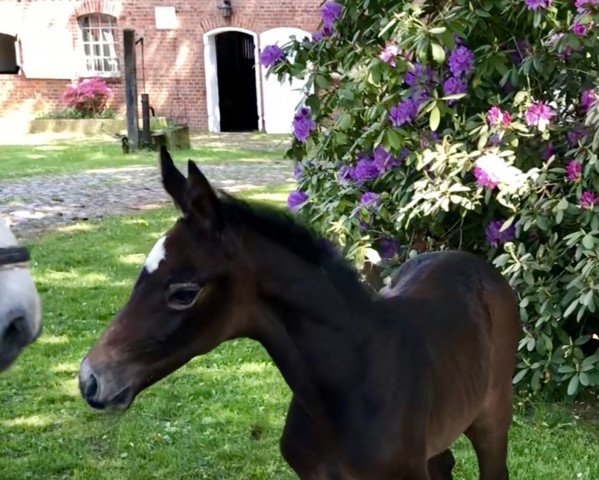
{"x":225,"y":8}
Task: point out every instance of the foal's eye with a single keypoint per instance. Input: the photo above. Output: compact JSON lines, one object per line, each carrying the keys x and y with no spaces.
{"x":180,"y":296}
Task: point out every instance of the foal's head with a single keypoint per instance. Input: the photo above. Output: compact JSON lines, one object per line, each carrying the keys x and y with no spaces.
{"x":195,"y":290}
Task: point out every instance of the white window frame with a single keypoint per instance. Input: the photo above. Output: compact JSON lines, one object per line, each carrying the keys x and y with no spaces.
{"x":98,"y":37}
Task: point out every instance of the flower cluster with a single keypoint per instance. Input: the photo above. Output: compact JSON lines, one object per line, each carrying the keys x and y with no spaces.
{"x":498,"y":118}
{"x":389,"y":54}
{"x":537,"y":4}
{"x":303,"y":124}
{"x":89,"y":97}
{"x":538,"y":115}
{"x":460,"y":63}
{"x":497,"y":236}
{"x":490,"y":170}
{"x":404,"y":112}
{"x":370,"y":166}
{"x":331,"y":12}
{"x":271,"y":55}
{"x":296,"y":199}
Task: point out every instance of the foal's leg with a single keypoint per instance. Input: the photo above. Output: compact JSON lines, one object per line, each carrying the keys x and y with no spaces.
{"x":301,"y":446}
{"x":441,"y":465}
{"x":489,"y":435}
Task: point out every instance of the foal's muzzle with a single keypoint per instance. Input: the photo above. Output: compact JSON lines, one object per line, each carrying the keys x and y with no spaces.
{"x":101,"y":390}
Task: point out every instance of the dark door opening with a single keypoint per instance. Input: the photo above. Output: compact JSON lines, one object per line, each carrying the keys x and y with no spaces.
{"x":236,"y":82}
{"x":8,"y":54}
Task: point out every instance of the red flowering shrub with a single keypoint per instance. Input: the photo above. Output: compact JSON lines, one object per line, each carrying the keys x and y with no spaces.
{"x":89,"y":97}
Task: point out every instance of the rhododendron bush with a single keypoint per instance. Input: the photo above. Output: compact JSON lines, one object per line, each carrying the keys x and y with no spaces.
{"x":89,"y":97}
{"x":470,"y":125}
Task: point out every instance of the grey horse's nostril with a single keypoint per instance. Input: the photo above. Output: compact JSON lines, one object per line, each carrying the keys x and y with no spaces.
{"x":16,"y":333}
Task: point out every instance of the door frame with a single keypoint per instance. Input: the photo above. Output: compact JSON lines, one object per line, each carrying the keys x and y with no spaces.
{"x":211,"y":76}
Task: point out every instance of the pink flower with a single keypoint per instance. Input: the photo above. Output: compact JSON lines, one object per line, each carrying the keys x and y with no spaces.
{"x":587,"y":200}
{"x":587,"y":99}
{"x":538,"y":114}
{"x":389,"y":53}
{"x":498,"y":117}
{"x":573,"y":171}
{"x":579,"y":29}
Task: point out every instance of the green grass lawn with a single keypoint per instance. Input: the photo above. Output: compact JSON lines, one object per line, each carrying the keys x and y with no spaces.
{"x":74,"y":157}
{"x":219,"y":417}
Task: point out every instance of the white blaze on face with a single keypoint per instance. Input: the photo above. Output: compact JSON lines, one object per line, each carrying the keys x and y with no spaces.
{"x":156,"y":256}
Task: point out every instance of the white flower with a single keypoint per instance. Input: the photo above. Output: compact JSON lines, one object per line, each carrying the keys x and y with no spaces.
{"x":498,"y":170}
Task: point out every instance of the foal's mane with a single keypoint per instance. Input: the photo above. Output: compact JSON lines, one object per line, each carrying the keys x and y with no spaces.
{"x":280,"y":227}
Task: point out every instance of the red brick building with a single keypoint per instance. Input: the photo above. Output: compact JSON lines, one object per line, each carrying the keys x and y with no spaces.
{"x":200,"y":65}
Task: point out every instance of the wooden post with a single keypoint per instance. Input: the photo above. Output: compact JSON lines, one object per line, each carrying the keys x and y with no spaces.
{"x":131,"y":88}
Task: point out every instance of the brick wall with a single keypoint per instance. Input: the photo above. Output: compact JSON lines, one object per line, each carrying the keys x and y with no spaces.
{"x":174,"y":61}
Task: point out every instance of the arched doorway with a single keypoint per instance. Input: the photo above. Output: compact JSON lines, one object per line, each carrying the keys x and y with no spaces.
{"x":232,"y":80}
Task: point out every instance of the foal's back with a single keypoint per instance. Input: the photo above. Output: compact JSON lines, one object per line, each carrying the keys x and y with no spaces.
{"x":457,"y":324}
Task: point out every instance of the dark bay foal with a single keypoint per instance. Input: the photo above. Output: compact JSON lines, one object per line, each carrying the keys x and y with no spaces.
{"x":382,"y":386}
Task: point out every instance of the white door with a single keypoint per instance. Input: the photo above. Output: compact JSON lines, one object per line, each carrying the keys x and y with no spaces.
{"x":280,"y":99}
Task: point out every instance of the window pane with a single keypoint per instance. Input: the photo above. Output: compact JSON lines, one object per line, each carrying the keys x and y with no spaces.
{"x":87,"y":49}
{"x":97,"y":65}
{"x":85,"y":21}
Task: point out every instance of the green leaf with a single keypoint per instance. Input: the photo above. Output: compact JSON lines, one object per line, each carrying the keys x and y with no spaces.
{"x":392,"y":138}
{"x":520,"y":375}
{"x":437,"y":52}
{"x":573,"y":385}
{"x":588,"y":241}
{"x":437,"y":30}
{"x":584,"y":379}
{"x":434,"y":118}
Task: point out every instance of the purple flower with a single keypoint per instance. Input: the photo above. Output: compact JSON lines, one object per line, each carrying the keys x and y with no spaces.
{"x":271,"y":55}
{"x":536,"y":4}
{"x":389,"y":54}
{"x":331,"y":11}
{"x":321,"y":34}
{"x":548,"y":151}
{"x":579,"y":29}
{"x":303,"y":125}
{"x":418,"y":75}
{"x":365,"y":170}
{"x":522,"y":49}
{"x":582,"y":5}
{"x":587,"y":200}
{"x":426,"y":141}
{"x":454,"y":85}
{"x":296,"y":199}
{"x":497,"y":117}
{"x":538,"y":114}
{"x":573,"y":171}
{"x":460,"y":61}
{"x":369,"y":200}
{"x":385,"y":161}
{"x":297,"y":172}
{"x":575,"y":135}
{"x":404,"y":112}
{"x":587,"y":99}
{"x":388,"y":247}
{"x":345,"y":174}
{"x":496,"y":237}
{"x":419,"y":97}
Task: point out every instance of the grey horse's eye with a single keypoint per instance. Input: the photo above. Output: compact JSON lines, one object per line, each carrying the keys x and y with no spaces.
{"x":180,"y":296}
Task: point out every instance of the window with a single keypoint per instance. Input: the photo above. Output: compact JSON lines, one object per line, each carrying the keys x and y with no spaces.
{"x":97,"y":34}
{"x":8,"y":54}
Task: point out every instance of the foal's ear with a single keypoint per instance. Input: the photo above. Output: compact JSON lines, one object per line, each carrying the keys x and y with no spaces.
{"x":203,"y":202}
{"x":173,"y":180}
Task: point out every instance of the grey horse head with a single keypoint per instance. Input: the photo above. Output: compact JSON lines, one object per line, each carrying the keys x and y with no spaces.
{"x":20,"y":307}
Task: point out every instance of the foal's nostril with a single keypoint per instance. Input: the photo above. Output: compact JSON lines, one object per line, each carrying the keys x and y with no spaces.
{"x":91,"y":387}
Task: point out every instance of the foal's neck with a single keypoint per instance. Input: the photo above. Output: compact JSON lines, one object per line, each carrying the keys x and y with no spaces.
{"x":311,"y":322}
